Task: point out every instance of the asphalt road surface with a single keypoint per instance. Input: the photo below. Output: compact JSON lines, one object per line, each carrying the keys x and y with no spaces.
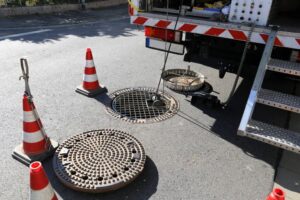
{"x":193,"y":155}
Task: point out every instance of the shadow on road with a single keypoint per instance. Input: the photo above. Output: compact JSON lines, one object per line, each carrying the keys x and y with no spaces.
{"x":104,"y":99}
{"x":111,"y":22}
{"x":140,"y":189}
{"x":227,"y":122}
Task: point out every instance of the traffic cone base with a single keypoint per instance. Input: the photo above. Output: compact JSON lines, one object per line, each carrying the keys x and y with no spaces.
{"x":91,"y":93}
{"x":21,"y":156}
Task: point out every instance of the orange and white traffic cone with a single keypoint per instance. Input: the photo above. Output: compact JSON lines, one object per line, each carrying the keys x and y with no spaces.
{"x":276,"y":194}
{"x":36,"y":144}
{"x":40,"y":187}
{"x":90,"y":86}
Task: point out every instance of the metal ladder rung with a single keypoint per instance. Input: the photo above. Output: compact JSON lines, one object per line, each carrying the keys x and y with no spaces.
{"x":279,"y":100}
{"x":268,"y":133}
{"x":285,"y":67}
{"x":273,"y":135}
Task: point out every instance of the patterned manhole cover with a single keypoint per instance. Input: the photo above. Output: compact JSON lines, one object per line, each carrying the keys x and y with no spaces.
{"x":137,"y":105}
{"x":99,"y":161}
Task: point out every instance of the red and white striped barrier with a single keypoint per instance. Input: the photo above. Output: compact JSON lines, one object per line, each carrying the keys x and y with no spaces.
{"x":40,"y":187}
{"x":34,"y":142}
{"x":90,"y":85}
{"x":261,"y":38}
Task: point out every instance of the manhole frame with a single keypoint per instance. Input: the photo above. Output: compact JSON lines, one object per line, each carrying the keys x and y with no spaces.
{"x":135,"y":172}
{"x":175,"y":106}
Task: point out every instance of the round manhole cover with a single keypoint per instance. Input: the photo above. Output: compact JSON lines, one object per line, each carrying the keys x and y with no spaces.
{"x":138,"y":106}
{"x":99,"y":161}
{"x":183,"y":80}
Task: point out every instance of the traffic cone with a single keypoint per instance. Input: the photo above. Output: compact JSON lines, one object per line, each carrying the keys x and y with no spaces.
{"x":90,"y":86}
{"x":40,"y":187}
{"x":276,"y":194}
{"x":36,"y":145}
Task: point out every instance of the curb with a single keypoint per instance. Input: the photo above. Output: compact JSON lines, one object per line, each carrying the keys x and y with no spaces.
{"x":6,"y":12}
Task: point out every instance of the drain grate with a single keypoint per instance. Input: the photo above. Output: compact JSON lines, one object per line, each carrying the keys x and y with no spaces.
{"x":99,"y":161}
{"x":137,"y":105}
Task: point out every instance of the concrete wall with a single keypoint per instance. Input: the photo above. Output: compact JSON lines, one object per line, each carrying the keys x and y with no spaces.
{"x":57,"y":8}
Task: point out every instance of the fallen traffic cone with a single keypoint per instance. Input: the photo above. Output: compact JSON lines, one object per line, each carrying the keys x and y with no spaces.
{"x":276,"y":194}
{"x":40,"y":187}
{"x":90,"y":86}
{"x":36,"y":144}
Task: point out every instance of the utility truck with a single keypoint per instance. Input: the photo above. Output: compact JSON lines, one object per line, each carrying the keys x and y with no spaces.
{"x":230,"y":35}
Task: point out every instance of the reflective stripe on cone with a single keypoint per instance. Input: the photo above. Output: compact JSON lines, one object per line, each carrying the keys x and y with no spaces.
{"x":90,"y":78}
{"x":28,"y":116}
{"x":33,"y":137}
{"x":89,"y":64}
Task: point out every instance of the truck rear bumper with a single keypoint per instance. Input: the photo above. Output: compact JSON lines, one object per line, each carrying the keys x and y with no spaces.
{"x":217,"y":29}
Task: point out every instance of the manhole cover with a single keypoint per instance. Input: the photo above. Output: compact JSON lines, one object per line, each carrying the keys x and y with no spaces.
{"x":99,"y":161}
{"x":183,"y":80}
{"x":137,"y":105}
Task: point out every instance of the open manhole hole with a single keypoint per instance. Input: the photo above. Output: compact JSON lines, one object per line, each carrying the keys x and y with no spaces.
{"x":99,"y":161}
{"x":138,"y":106}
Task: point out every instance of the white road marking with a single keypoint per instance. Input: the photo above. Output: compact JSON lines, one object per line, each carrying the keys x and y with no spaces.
{"x":24,"y":34}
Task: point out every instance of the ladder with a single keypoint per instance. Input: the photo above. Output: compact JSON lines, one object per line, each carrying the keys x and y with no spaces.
{"x":280,"y":137}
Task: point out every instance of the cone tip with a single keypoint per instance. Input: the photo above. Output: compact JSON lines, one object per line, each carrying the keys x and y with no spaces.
{"x":36,"y":167}
{"x":89,"y":55}
{"x":279,"y":192}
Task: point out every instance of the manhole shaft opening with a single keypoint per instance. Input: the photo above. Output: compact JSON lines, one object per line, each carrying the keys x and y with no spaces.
{"x":137,"y":104}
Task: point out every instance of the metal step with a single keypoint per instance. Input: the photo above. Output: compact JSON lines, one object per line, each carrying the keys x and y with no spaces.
{"x":273,"y":135}
{"x":259,"y":78}
{"x":279,"y":100}
{"x":286,"y":67}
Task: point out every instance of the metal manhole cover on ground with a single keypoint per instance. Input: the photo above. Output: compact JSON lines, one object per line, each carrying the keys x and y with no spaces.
{"x":183,"y":80}
{"x":136,"y":105}
{"x":99,"y":161}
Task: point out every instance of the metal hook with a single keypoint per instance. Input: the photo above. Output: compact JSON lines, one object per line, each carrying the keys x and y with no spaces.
{"x":24,"y":67}
{"x":25,"y":75}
